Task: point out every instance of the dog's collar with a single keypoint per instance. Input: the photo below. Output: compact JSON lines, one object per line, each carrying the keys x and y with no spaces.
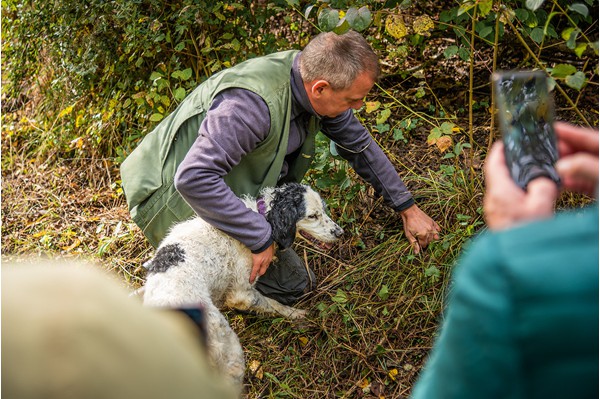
{"x":261,"y":205}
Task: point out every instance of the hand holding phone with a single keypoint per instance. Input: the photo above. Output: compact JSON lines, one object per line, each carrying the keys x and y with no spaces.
{"x":525,"y":111}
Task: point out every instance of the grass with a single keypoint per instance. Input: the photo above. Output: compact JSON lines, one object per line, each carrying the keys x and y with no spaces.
{"x":372,"y":318}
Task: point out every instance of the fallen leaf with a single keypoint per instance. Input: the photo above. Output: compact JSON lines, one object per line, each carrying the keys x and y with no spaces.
{"x":256,"y":369}
{"x":392,"y":374}
{"x":394,"y":26}
{"x":443,"y":143}
{"x":422,"y":25}
{"x":371,"y":106}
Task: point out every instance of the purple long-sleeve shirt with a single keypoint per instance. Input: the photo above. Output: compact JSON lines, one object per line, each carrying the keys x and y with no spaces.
{"x":237,"y":121}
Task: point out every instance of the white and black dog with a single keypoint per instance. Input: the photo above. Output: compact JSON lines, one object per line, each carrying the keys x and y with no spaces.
{"x":197,"y":264}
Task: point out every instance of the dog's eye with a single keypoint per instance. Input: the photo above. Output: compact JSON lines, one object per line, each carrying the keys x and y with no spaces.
{"x":313,"y":216}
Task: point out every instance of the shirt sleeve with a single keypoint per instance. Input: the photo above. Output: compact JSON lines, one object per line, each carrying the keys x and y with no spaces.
{"x":237,"y":121}
{"x":355,"y":144}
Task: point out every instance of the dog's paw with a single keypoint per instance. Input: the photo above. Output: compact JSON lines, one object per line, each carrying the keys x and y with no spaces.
{"x":296,"y":314}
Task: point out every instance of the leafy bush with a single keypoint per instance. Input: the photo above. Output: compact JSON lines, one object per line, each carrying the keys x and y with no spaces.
{"x":118,"y":67}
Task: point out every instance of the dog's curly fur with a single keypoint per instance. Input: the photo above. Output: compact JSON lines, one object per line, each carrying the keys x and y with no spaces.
{"x":197,"y":264}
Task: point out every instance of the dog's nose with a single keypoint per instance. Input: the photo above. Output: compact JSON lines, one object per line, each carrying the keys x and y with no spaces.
{"x":337,"y":232}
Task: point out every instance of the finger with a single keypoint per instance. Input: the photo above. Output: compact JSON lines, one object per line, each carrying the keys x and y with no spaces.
{"x":263,"y":268}
{"x":574,"y":138}
{"x":253,"y":273}
{"x":416,"y":247}
{"x":583,"y":166}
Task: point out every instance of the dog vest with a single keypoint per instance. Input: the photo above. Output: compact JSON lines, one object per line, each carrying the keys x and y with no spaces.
{"x":148,"y":173}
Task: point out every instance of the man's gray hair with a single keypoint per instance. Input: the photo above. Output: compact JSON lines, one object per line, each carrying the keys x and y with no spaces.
{"x":338,"y":59}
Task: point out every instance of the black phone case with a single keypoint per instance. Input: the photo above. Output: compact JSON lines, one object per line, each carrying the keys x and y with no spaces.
{"x":525,"y":112}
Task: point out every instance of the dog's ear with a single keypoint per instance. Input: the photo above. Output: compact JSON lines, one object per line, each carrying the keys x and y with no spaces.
{"x":283,"y":224}
{"x":287,"y":207}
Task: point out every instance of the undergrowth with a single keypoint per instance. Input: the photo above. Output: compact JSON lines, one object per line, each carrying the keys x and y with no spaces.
{"x":71,"y":113}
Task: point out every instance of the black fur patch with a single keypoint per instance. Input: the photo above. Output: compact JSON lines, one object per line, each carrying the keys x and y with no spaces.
{"x":286,"y":209}
{"x":167,"y":256}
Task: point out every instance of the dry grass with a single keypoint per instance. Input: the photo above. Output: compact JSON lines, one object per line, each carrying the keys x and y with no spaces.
{"x":372,"y":316}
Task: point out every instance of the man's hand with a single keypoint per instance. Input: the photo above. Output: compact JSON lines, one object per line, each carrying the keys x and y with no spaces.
{"x":419,"y":228}
{"x":261,"y":262}
{"x":505,"y":204}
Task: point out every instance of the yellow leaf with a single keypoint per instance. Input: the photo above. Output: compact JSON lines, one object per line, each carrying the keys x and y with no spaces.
{"x":422,"y":25}
{"x":256,"y":369}
{"x":371,"y":106}
{"x":79,"y":120}
{"x":394,"y":25}
{"x":71,"y":247}
{"x":364,"y":383}
{"x":392,"y":374}
{"x":303,"y":341}
{"x":65,"y":111}
{"x":76,"y":143}
{"x":443,"y":143}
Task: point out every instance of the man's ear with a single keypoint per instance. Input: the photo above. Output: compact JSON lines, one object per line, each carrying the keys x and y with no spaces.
{"x":318,"y":87}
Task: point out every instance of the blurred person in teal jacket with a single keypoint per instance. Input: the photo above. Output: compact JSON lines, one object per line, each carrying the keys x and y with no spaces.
{"x":522,"y":316}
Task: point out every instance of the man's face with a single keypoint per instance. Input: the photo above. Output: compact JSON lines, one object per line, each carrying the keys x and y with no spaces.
{"x":331,"y":103}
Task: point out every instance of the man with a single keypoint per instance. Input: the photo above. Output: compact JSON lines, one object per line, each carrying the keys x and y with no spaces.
{"x":253,"y":126}
{"x":522,"y":319}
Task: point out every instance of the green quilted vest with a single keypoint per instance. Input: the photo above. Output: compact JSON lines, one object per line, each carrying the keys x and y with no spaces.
{"x":148,"y":172}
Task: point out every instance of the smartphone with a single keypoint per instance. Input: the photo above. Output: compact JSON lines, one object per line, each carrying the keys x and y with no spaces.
{"x":525,"y":112}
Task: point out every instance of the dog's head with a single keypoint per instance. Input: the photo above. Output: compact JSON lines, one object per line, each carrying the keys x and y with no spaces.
{"x":298,"y":209}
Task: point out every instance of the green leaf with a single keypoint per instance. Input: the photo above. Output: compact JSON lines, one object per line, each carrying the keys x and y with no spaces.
{"x":383,"y":116}
{"x":398,"y":135}
{"x":485,"y":6}
{"x":179,"y":94}
{"x":182,"y":75}
{"x":533,"y":4}
{"x":155,"y":75}
{"x":434,"y":134}
{"x":340,"y":297}
{"x":485,"y":32}
{"x":464,"y":54}
{"x":328,"y":19}
{"x":575,"y":81}
{"x":570,"y":36}
{"x":359,"y":19}
{"x":384,"y":292}
{"x":522,"y":14}
{"x":579,"y":49}
{"x":342,"y":27}
{"x":465,"y":7}
{"x":432,"y":272}
{"x":579,"y":8}
{"x":156,"y":117}
{"x":450,"y":51}
{"x":563,"y":70}
{"x":447,"y":127}
{"x":537,"y":35}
